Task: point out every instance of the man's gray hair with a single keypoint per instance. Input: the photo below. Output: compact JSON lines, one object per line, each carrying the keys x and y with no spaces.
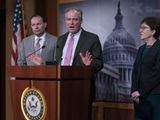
{"x":76,"y":9}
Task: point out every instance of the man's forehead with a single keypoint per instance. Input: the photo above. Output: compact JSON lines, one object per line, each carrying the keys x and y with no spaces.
{"x":72,"y":12}
{"x":37,"y":18}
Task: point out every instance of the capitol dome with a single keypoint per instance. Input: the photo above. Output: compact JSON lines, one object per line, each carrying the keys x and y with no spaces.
{"x":119,"y":52}
{"x":119,"y":49}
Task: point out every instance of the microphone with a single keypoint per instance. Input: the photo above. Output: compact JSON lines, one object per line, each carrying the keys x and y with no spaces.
{"x":57,"y":46}
{"x":24,"y":60}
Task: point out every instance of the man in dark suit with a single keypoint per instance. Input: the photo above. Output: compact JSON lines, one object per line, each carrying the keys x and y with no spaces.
{"x":46,"y":44}
{"x":85,"y":50}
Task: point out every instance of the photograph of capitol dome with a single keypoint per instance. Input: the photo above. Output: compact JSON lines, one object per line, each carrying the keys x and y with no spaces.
{"x":119,"y":53}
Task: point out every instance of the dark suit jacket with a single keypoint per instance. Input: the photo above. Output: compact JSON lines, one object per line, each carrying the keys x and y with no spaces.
{"x":146,"y":73}
{"x":27,"y":46}
{"x":87,"y":41}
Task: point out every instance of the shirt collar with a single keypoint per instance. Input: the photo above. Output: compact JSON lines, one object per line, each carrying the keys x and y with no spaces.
{"x":42,"y":37}
{"x":79,"y":32}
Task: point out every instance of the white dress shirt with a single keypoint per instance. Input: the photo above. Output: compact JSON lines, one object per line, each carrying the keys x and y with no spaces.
{"x":76,"y":39}
{"x":41,"y":42}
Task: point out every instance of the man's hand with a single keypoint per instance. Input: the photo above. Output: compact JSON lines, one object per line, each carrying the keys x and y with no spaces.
{"x":35,"y":59}
{"x":87,"y":58}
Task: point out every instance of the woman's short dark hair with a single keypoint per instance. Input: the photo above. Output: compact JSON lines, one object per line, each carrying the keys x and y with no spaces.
{"x":154,"y":24}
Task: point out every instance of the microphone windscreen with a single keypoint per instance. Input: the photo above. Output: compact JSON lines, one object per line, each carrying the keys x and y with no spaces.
{"x":43,"y":46}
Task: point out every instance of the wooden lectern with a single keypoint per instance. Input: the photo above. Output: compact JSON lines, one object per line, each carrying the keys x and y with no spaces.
{"x":65,"y":89}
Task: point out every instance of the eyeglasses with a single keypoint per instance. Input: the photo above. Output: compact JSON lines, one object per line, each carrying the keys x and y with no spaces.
{"x":144,"y":27}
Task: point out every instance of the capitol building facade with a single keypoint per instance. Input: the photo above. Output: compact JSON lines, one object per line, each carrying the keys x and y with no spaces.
{"x":113,"y":82}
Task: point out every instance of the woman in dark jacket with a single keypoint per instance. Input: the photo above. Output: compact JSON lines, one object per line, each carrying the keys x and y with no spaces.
{"x":145,"y":89}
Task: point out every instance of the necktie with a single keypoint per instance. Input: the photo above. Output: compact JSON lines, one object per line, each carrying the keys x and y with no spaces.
{"x":37,"y":47}
{"x":68,"y":56}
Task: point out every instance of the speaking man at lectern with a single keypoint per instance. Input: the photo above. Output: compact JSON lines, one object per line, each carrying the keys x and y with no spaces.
{"x":38,"y":47}
{"x":85,"y":48}
{"x":78,"y":47}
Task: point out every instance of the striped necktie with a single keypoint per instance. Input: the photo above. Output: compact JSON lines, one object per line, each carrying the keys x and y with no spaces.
{"x":37,"y":47}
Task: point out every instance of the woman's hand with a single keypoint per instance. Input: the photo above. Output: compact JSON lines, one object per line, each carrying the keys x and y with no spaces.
{"x":135,"y":96}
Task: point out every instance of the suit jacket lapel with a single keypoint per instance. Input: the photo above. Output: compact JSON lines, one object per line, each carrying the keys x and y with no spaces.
{"x":45,"y":44}
{"x":32,"y":43}
{"x":61,"y":46}
{"x":80,"y":44}
{"x":64,"y":39}
{"x":141,"y":53}
{"x":139,"y":59}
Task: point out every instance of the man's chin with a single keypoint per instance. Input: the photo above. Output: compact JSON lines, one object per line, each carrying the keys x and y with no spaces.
{"x":73,"y":31}
{"x":38,"y":34}
{"x":142,"y":38}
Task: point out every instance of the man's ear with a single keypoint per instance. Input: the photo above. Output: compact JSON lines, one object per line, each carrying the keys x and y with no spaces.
{"x":45,"y":24}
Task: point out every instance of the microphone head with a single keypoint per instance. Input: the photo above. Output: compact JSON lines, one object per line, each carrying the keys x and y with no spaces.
{"x":43,"y":46}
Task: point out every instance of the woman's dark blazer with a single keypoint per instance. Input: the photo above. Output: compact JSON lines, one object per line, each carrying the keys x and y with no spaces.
{"x":146,"y":73}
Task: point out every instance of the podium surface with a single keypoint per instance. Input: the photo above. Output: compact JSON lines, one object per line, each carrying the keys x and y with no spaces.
{"x":65,"y":89}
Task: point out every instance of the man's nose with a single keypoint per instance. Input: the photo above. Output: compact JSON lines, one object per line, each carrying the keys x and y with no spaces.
{"x":71,"y":22}
{"x":36,"y":26}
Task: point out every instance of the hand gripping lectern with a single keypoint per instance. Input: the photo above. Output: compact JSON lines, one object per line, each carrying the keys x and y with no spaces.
{"x":50,"y":92}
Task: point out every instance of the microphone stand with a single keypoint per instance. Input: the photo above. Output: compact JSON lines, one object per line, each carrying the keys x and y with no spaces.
{"x":25,"y":61}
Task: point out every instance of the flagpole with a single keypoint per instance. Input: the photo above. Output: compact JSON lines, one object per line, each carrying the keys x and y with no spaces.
{"x":24,"y":28}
